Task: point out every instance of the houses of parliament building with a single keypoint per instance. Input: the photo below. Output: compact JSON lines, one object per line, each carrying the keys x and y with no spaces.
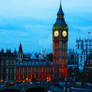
{"x":17,"y":66}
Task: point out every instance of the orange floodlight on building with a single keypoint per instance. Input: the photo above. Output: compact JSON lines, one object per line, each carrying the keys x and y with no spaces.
{"x":40,"y":73}
{"x":64,"y":69}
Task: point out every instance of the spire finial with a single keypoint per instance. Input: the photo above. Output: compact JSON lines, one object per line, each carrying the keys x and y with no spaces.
{"x":60,"y":9}
{"x":60,"y":3}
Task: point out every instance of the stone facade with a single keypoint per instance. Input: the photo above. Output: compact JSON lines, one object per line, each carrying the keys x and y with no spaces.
{"x":20,"y":67}
{"x":7,"y":66}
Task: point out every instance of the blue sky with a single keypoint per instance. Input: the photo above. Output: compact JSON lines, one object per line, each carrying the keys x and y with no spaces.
{"x":31,"y":21}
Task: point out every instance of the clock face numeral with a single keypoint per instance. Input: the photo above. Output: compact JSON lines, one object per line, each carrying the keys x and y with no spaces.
{"x":64,"y":33}
{"x":56,"y":33}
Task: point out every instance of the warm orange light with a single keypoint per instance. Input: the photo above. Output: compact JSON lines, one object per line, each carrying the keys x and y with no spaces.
{"x":26,"y":79}
{"x":63,"y":69}
{"x":1,"y":80}
{"x":49,"y":78}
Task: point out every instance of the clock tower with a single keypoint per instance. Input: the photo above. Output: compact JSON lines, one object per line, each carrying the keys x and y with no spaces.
{"x":60,"y":39}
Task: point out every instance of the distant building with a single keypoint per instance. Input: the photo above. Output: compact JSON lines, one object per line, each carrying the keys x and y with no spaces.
{"x":72,"y":58}
{"x":28,"y":69}
{"x":84,"y":49}
{"x":19,"y":67}
{"x":88,"y":68}
{"x":7,"y":66}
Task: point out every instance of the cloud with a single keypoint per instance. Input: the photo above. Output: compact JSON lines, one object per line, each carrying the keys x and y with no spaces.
{"x":31,"y":22}
{"x":25,"y":30}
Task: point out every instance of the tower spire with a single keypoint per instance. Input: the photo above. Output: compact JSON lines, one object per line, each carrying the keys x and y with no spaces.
{"x":20,"y":48}
{"x":60,"y":16}
{"x":60,"y":2}
{"x":60,"y":12}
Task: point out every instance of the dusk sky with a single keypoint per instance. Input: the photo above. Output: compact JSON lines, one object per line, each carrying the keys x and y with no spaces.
{"x":31,"y":21}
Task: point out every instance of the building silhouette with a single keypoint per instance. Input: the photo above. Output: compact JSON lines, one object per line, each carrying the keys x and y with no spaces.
{"x":84,"y":49}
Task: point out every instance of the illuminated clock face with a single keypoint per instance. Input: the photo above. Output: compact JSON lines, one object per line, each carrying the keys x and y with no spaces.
{"x":64,"y":33}
{"x":56,"y":33}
